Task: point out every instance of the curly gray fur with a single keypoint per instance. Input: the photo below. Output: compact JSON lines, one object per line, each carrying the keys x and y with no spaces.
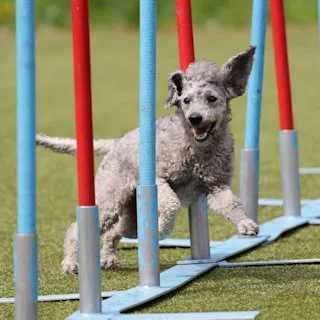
{"x":195,"y":154}
{"x":69,"y":146}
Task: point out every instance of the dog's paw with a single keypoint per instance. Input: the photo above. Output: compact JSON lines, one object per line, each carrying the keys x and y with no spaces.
{"x":165,"y":228}
{"x":248,"y":227}
{"x":110,"y":262}
{"x":69,"y":267}
{"x":163,"y":235}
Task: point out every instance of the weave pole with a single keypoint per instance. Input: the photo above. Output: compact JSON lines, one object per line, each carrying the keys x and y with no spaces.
{"x":249,"y":164}
{"x":147,"y":202}
{"x":185,"y":33}
{"x":87,"y":211}
{"x":25,"y":240}
{"x":288,"y":136}
{"x":198,"y":212}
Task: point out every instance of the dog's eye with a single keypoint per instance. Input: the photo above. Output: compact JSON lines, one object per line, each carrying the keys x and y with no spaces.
{"x":212,"y":99}
{"x":186,"y":100}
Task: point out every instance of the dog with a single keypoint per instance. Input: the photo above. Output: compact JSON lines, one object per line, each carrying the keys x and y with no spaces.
{"x":194,"y":156}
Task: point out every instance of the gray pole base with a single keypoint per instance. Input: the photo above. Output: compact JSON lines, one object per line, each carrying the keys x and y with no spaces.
{"x":148,"y":237}
{"x":249,"y":182}
{"x":26,"y":276}
{"x":89,"y":259}
{"x":199,"y":230}
{"x":290,"y":173}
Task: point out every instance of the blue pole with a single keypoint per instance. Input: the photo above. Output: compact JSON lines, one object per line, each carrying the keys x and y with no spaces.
{"x":249,"y":172}
{"x":258,"y":36}
{"x":147,"y":91}
{"x":148,"y":250}
{"x":26,"y":116}
{"x":25,"y":256}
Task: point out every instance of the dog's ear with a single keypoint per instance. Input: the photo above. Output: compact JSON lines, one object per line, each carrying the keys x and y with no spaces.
{"x":175,"y":89}
{"x":236,"y":71}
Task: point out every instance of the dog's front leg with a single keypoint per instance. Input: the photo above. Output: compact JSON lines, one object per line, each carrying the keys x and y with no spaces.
{"x":223,"y":201}
{"x":169,"y":207}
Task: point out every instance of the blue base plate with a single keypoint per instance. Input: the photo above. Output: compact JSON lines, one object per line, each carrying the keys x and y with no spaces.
{"x":170,"y":280}
{"x":276,"y":227}
{"x":278,"y":202}
{"x":181,"y":243}
{"x":312,"y":210}
{"x":188,"y":269}
{"x":228,"y":248}
{"x":314,"y":221}
{"x":204,"y":315}
{"x":238,"y":315}
{"x":314,"y":170}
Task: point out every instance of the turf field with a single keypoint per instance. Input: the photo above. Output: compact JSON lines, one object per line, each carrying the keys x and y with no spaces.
{"x":278,"y":292}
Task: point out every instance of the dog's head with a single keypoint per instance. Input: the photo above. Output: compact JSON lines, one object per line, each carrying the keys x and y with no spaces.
{"x":203,"y":92}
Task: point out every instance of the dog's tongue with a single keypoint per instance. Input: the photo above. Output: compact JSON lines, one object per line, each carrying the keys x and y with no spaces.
{"x":201,"y":131}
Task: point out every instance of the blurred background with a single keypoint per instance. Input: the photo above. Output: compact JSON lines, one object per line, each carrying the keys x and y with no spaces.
{"x":126,"y":13}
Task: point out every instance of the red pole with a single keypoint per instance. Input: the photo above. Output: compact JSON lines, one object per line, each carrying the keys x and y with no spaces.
{"x":281,"y":64}
{"x":199,"y":231}
{"x":185,"y":34}
{"x":82,"y":93}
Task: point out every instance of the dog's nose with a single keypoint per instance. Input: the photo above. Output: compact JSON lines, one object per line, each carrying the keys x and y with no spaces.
{"x":195,"y":118}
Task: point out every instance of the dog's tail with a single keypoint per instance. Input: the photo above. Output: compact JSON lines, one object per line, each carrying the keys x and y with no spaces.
{"x":69,"y":146}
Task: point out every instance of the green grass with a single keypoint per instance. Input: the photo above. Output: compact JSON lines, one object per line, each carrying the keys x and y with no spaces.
{"x":279,"y":292}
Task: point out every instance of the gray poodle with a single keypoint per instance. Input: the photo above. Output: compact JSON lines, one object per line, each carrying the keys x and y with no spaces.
{"x":195,"y":155}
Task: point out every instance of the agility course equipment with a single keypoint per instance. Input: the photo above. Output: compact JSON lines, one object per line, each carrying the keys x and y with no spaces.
{"x":249,"y":164}
{"x":147,"y":200}
{"x":288,"y":138}
{"x":25,"y":240}
{"x":285,"y":105}
{"x":293,"y":215}
{"x":198,"y":212}
{"x":249,"y":180}
{"x":87,"y":211}
{"x":249,"y":177}
{"x":152,"y":284}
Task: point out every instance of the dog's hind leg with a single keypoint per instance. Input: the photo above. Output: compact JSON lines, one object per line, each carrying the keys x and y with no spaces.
{"x":70,"y":261}
{"x":109,"y":256}
{"x":121,"y":223}
{"x":169,"y":207}
{"x":70,"y":264}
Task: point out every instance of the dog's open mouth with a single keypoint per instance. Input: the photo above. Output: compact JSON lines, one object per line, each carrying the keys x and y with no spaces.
{"x":202,"y":134}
